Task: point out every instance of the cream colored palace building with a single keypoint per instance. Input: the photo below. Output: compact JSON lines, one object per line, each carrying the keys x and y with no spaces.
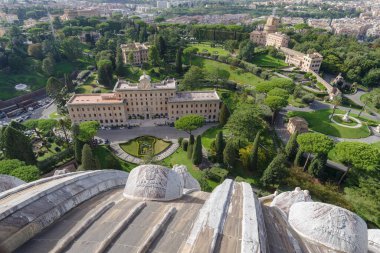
{"x":138,"y":50}
{"x":145,"y":100}
{"x":270,"y":36}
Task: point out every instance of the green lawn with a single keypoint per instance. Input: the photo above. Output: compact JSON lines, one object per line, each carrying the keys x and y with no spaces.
{"x":29,"y":76}
{"x":133,"y":147}
{"x":91,"y":84}
{"x":265,"y":60}
{"x":209,"y":135}
{"x":104,"y":155}
{"x":235,"y":74}
{"x":319,"y":121}
{"x":206,"y":48}
{"x":180,"y":157}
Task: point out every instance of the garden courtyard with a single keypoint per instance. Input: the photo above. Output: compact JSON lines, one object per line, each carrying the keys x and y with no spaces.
{"x":319,"y":121}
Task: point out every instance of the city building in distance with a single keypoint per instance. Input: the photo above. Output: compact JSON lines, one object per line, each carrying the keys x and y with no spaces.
{"x":139,"y":51}
{"x":144,"y":100}
{"x":269,"y":36}
{"x":305,"y":62}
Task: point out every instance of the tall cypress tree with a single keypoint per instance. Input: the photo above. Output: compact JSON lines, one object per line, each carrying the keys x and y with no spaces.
{"x":231,"y":153}
{"x":197,"y":153}
{"x":224,"y":115}
{"x":219,"y":146}
{"x":275,"y":171}
{"x":178,"y":61}
{"x":17,"y":146}
{"x":190,"y":147}
{"x":292,"y":146}
{"x":88,"y":161}
{"x":119,"y":64}
{"x":78,"y":146}
{"x":255,"y":150}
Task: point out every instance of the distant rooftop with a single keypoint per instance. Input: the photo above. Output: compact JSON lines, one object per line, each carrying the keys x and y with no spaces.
{"x":105,"y":98}
{"x":126,"y":85}
{"x":195,"y":96}
{"x":134,"y":46}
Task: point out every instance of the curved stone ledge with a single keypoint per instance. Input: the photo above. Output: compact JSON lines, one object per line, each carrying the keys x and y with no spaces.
{"x":23,"y":218}
{"x":34,"y":183}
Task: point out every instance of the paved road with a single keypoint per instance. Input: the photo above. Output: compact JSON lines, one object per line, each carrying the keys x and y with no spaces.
{"x":164,"y":132}
{"x":317,"y":105}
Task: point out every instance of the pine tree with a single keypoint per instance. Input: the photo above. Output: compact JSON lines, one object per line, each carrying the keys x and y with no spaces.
{"x":88,"y":161}
{"x":219,"y":146}
{"x":190,"y":147}
{"x":119,"y":64}
{"x":17,"y":146}
{"x":178,"y":61}
{"x":197,"y":153}
{"x":255,"y":150}
{"x":224,"y":115}
{"x":231,"y":153}
{"x":275,"y":171}
{"x":317,"y":166}
{"x":78,"y":146}
{"x":292,"y":146}
{"x":298,"y":158}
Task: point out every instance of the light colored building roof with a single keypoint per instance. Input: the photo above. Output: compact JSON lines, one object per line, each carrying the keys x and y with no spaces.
{"x":87,"y":212}
{"x":289,"y":51}
{"x":298,"y":121}
{"x":134,"y":46}
{"x":87,"y":99}
{"x":194,"y":96}
{"x":123,"y":85}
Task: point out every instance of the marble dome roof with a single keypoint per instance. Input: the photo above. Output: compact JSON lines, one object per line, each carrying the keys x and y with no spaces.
{"x":8,"y":182}
{"x":330,"y":227}
{"x":187,"y":181}
{"x":286,"y":199}
{"x":153,"y":182}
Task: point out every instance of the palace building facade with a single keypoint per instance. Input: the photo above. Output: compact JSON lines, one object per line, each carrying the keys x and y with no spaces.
{"x":269,"y":36}
{"x":144,"y":100}
{"x":138,"y":50}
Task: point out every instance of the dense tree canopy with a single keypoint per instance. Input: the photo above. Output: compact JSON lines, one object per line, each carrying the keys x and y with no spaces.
{"x":87,"y":130}
{"x":246,"y":121}
{"x":359,"y":155}
{"x":315,"y":143}
{"x":189,"y":123}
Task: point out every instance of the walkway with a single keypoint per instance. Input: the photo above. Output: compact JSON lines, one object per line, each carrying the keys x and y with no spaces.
{"x":163,"y":132}
{"x":117,"y":150}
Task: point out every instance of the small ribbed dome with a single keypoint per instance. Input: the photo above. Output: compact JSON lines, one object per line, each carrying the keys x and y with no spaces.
{"x":8,"y":182}
{"x":286,"y":199}
{"x":153,"y":182}
{"x":144,"y":76}
{"x":328,"y":228}
{"x":187,"y":181}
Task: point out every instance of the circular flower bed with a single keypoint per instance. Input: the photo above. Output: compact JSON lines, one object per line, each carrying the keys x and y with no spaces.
{"x":145,"y":146}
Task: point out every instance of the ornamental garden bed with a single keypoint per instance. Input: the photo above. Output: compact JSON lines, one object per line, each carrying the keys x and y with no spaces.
{"x":144,"y":146}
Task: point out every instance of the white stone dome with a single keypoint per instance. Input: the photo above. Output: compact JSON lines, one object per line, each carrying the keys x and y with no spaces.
{"x":373,"y":240}
{"x":187,"y":180}
{"x":153,"y":182}
{"x":328,"y":228}
{"x":286,"y":199}
{"x":145,"y":77}
{"x":8,"y":182}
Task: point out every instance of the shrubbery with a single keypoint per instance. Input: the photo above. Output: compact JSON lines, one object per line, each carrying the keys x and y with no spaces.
{"x":49,"y":163}
{"x":216,"y":174}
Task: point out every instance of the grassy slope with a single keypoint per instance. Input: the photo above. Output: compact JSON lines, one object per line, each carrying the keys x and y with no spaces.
{"x":212,"y":50}
{"x":236,"y":74}
{"x":319,"y":122}
{"x":265,"y":60}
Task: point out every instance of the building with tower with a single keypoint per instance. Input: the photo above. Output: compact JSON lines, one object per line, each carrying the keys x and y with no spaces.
{"x":143,"y":100}
{"x":269,"y":36}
